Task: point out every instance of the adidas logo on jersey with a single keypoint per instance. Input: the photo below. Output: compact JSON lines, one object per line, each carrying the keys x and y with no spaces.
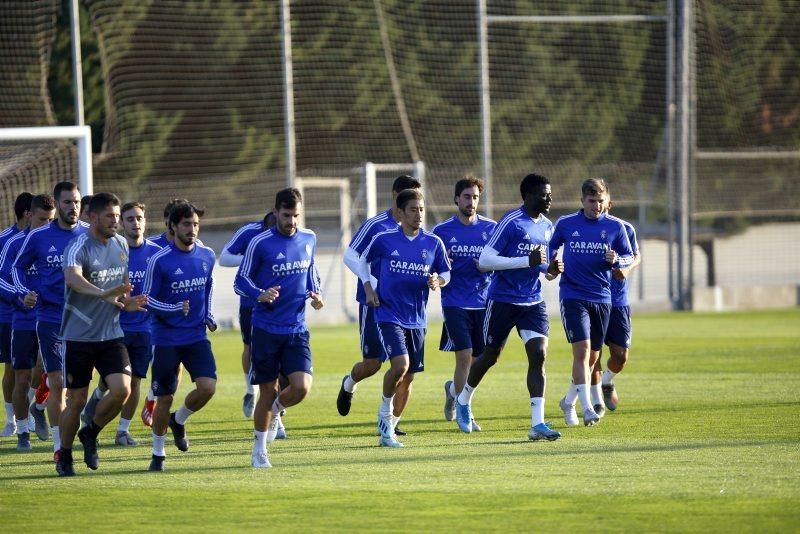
{"x":526,"y":236}
{"x":52,"y":249}
{"x":178,"y":271}
{"x":453,"y":240}
{"x":395,"y":253}
{"x":95,"y":262}
{"x":575,"y":234}
{"x":280,"y":256}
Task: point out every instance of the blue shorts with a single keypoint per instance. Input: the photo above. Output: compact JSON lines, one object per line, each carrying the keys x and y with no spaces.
{"x":501,"y":317}
{"x":140,"y":352}
{"x":24,"y":349}
{"x":584,"y":320}
{"x":620,"y":328}
{"x":371,"y":345}
{"x":245,"y":322}
{"x":51,"y":346}
{"x":5,"y":342}
{"x":397,"y":341}
{"x":274,"y":354}
{"x":462,"y":329}
{"x":197,"y":358}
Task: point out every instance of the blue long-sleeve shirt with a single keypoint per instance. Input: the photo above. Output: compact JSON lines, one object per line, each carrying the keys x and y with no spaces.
{"x":44,"y":249}
{"x":403,"y":268}
{"x":238,"y":246}
{"x":515,"y":236}
{"x":7,"y":305}
{"x":619,"y":289}
{"x":369,"y":229}
{"x":22,"y":318}
{"x":173,"y":276}
{"x":273,"y":259}
{"x":468,"y":286}
{"x":138,"y":259}
{"x":587,"y":275}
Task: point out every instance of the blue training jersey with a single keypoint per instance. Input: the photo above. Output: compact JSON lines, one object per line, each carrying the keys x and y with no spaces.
{"x":161,"y":240}
{"x":403,"y":268}
{"x":371,"y":227}
{"x":22,"y":318}
{"x":515,"y":235}
{"x":619,"y":289}
{"x":273,"y":259}
{"x":468,"y":286}
{"x":7,"y":305}
{"x":44,"y":249}
{"x":587,"y":275}
{"x":138,"y":258}
{"x":172,"y":276}
{"x":238,"y":246}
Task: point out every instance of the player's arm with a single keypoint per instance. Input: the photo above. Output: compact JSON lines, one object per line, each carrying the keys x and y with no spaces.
{"x":23,"y":261}
{"x":442,"y":267}
{"x":556,"y":265}
{"x":623,"y":272}
{"x":314,"y":286}
{"x":620,"y":254}
{"x":211,"y":322}
{"x":491,"y":260}
{"x":151,"y":287}
{"x":364,"y":274}
{"x":352,"y":260}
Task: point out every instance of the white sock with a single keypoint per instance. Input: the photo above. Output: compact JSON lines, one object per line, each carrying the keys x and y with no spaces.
{"x":98,"y":394}
{"x":277,"y":407}
{"x":31,"y":396}
{"x":124,"y":425}
{"x":182,"y":415}
{"x":537,"y":410}
{"x":608,"y":377}
{"x":41,"y":407}
{"x":452,"y":390}
{"x":56,"y":432}
{"x":386,"y":406}
{"x":9,"y":412}
{"x":251,"y":389}
{"x":22,"y":426}
{"x":350,"y":384}
{"x":261,"y":441}
{"x":158,"y":444}
{"x":583,"y":395}
{"x":465,"y":397}
{"x":150,"y":395}
{"x":572,"y":395}
{"x":597,"y":394}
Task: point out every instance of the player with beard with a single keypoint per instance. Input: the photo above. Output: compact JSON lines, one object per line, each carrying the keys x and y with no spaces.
{"x":517,"y":253}
{"x":96,"y":278}
{"x":464,"y":298}
{"x":24,"y":343}
{"x":179,"y":283}
{"x":43,"y":249}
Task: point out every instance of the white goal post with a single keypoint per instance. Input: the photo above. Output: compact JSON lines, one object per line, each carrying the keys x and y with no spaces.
{"x":370,"y":172}
{"x":82,"y":134}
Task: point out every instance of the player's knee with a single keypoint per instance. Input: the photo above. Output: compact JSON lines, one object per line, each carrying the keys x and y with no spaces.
{"x":120,"y":394}
{"x":54,"y":381}
{"x":619,"y":355}
{"x":370,"y":366}
{"x":23,"y":379}
{"x":207,"y":388}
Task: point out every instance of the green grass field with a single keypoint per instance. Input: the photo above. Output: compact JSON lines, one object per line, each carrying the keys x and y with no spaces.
{"x":707,"y":438}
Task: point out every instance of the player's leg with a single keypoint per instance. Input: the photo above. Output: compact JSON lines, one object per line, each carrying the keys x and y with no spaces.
{"x":415,"y":346}
{"x":457,"y":337}
{"x":94,"y":398}
{"x":166,"y":362}
{"x":199,"y":361}
{"x":577,"y":327}
{"x":79,"y":360}
{"x":373,"y":356}
{"x":296,"y":365}
{"x":24,"y":351}
{"x":265,"y":351}
{"x":10,"y":427}
{"x":68,"y":424}
{"x":51,"y":348}
{"x":533,"y":326}
{"x":499,"y":320}
{"x":618,"y":339}
{"x":140,"y":355}
{"x":394,"y":342}
{"x":245,"y":326}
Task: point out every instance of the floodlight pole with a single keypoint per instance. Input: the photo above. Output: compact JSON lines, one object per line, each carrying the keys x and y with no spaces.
{"x":288,"y":92}
{"x":486,"y":120}
{"x":684,"y":155}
